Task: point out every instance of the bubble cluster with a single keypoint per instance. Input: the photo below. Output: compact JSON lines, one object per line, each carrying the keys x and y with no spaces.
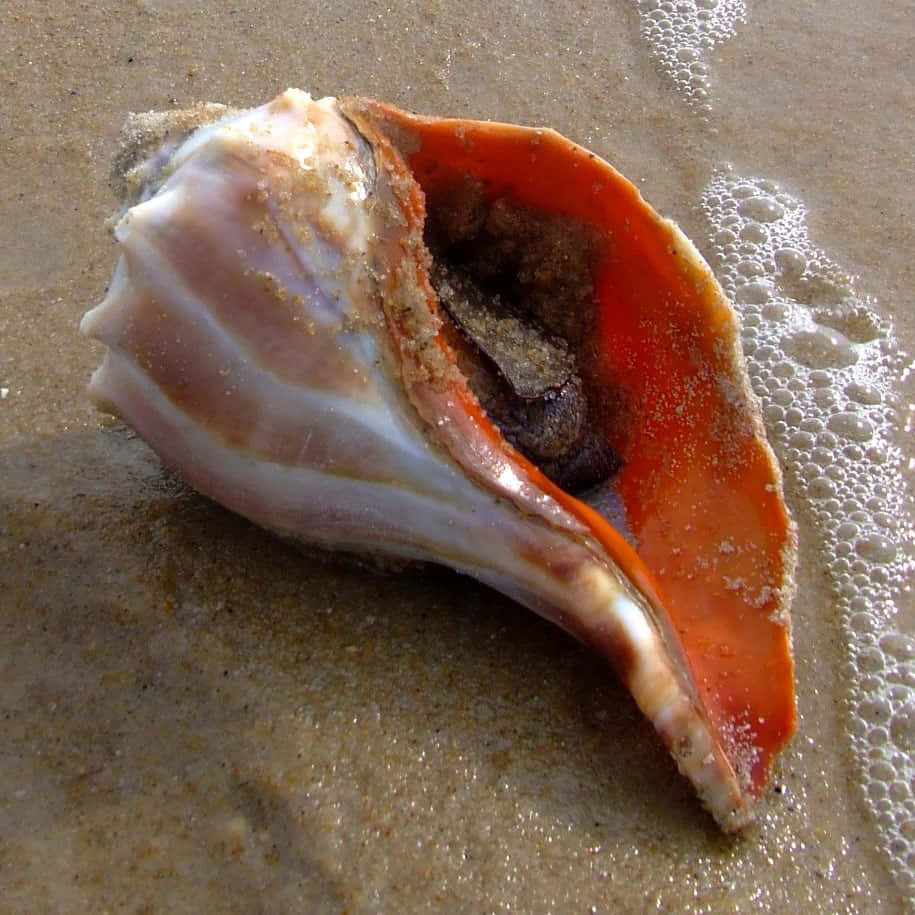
{"x":680,"y":32}
{"x":825,"y":367}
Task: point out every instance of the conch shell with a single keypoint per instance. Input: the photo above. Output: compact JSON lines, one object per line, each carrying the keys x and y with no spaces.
{"x":280,"y":333}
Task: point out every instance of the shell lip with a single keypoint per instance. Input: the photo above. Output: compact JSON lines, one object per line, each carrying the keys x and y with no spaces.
{"x":715,"y":546}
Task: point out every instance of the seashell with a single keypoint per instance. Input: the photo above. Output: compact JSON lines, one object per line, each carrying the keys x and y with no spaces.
{"x":416,"y":337}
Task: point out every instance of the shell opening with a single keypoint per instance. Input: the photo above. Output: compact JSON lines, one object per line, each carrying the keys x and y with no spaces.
{"x":517,"y":285}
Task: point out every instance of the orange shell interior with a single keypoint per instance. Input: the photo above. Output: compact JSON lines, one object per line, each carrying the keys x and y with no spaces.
{"x":700,"y":487}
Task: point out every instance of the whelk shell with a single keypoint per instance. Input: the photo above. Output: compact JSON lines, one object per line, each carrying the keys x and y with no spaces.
{"x":277,"y":332}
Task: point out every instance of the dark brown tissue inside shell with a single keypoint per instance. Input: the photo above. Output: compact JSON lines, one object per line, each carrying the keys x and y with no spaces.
{"x":517,"y":286}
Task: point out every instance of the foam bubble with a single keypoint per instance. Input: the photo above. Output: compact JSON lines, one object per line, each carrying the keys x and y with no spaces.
{"x":824,"y":365}
{"x":876,"y":548}
{"x":790,"y":261}
{"x":762,"y":208}
{"x":863,"y":392}
{"x":850,"y":425}
{"x":902,"y":730}
{"x":899,"y":646}
{"x":821,"y":346}
{"x":754,"y":293}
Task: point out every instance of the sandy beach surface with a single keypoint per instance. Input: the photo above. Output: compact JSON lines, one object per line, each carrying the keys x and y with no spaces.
{"x":198,"y":717}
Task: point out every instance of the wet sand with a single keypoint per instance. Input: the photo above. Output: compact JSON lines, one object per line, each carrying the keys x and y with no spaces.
{"x":197,"y":716}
